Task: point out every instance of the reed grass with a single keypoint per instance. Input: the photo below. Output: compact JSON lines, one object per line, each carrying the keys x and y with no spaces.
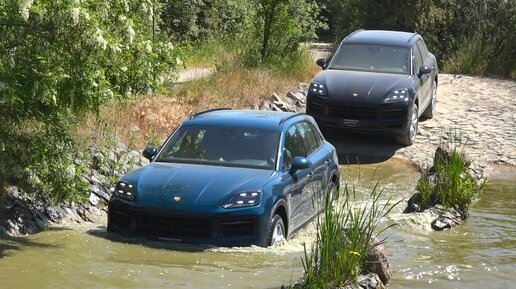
{"x":452,"y":185}
{"x":344,"y":237}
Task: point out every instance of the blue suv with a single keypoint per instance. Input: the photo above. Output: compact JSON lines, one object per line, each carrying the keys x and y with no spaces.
{"x":228,"y":178}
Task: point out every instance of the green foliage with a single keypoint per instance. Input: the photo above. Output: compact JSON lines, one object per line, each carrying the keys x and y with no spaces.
{"x":198,"y":20}
{"x":477,"y":36}
{"x":344,"y":236}
{"x":280,"y":25}
{"x":59,"y":59}
{"x":452,"y":185}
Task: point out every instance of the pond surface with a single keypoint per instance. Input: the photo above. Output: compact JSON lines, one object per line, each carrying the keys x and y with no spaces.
{"x":479,"y":254}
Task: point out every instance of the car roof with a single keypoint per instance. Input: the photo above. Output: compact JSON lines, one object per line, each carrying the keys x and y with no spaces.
{"x":385,"y":37}
{"x":258,"y":119}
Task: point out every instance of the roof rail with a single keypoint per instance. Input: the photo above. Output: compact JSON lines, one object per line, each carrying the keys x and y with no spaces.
{"x":356,"y":31}
{"x":283,"y":120}
{"x":412,"y":36}
{"x":210,"y":110}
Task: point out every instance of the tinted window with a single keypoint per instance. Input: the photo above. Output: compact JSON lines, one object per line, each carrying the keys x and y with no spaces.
{"x":308,"y":136}
{"x":317,"y":135}
{"x":423,"y":49}
{"x":224,"y":146}
{"x":374,"y":58}
{"x":293,"y":147}
{"x":418,"y":59}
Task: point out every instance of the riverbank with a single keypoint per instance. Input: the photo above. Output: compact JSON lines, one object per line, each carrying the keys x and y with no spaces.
{"x":481,"y":109}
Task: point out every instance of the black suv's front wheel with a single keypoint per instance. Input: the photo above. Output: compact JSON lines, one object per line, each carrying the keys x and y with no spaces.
{"x":408,"y":137}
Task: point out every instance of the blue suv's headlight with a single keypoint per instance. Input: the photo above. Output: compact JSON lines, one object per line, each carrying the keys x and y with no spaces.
{"x":244,"y":199}
{"x":125,"y":190}
{"x":318,"y":89}
{"x":398,"y":95}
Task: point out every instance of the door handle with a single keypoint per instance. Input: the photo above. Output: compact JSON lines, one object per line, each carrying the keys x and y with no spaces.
{"x":310,"y":175}
{"x":327,"y":162}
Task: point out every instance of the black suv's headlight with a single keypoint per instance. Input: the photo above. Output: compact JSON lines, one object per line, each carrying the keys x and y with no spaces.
{"x":245,"y":199}
{"x":318,"y":89}
{"x":125,"y":190}
{"x":398,"y":95}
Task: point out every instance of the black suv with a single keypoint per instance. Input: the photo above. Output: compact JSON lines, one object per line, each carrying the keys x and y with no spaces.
{"x":376,"y":81}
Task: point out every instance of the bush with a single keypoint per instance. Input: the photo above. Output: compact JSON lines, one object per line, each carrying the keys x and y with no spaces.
{"x":59,"y":59}
{"x":452,"y":186}
{"x":344,"y":235}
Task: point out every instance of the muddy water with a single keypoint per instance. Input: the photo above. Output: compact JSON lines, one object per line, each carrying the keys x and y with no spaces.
{"x":480,"y":254}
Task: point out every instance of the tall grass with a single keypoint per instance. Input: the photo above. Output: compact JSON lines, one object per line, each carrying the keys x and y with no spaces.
{"x":344,"y":237}
{"x":452,"y":185}
{"x":150,"y":119}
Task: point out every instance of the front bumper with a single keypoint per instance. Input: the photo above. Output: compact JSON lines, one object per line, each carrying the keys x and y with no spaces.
{"x":239,"y":227}
{"x":392,"y":118}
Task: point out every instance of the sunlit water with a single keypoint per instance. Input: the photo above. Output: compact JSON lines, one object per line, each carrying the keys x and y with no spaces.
{"x":479,"y":254}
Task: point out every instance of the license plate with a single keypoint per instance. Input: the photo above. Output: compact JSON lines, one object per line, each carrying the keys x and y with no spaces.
{"x":350,"y":122}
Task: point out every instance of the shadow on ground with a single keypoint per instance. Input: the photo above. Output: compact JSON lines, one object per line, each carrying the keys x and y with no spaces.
{"x":101,"y":232}
{"x":362,"y":149}
{"x":9,"y":245}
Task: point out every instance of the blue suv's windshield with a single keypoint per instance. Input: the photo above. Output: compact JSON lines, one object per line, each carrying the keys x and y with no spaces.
{"x":224,"y":146}
{"x":373,"y":58}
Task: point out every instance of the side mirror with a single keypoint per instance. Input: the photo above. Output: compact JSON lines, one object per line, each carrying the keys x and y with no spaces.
{"x":150,"y":152}
{"x":424,"y":70}
{"x":321,"y":62}
{"x":299,"y":163}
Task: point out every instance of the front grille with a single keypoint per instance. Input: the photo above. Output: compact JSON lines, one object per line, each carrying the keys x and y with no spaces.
{"x":173,"y":227}
{"x":354,"y":112}
{"x":380,"y":115}
{"x":179,"y":226}
{"x":243,"y":227}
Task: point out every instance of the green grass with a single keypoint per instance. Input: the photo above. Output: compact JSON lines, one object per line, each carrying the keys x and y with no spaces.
{"x":344,"y":234}
{"x":452,"y":185}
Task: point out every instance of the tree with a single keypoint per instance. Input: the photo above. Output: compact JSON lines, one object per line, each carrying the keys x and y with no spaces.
{"x":283,"y":24}
{"x":59,"y":59}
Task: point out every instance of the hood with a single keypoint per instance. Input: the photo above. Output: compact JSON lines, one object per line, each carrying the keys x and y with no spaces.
{"x":197,"y":185}
{"x":369,"y":86}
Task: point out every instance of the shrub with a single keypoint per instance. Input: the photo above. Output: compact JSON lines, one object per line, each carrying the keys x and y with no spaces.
{"x":344,"y":235}
{"x":60,"y":59}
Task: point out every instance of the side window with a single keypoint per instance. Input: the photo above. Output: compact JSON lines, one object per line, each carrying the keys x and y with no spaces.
{"x":317,"y":135}
{"x":308,"y":136}
{"x":418,"y":59}
{"x":422,"y":49}
{"x":293,"y":147}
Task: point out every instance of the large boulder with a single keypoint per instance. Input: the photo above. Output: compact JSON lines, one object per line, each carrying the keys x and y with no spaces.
{"x":377,"y":262}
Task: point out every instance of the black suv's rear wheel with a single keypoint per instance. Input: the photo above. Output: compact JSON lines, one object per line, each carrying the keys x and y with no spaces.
{"x":430,"y":109}
{"x":409,"y":136}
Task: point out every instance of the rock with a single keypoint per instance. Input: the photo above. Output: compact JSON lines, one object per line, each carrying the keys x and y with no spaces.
{"x":450,"y":218}
{"x":445,"y":151}
{"x":299,"y":98}
{"x":94,"y":200}
{"x":414,"y":204}
{"x":370,"y":281}
{"x":100,"y":192}
{"x":377,"y":262}
{"x":281,"y":104}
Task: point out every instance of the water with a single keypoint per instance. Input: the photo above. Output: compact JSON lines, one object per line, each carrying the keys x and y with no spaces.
{"x":479,"y":254}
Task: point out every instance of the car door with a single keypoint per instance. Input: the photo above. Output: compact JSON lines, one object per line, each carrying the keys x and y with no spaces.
{"x":313,"y":192}
{"x":298,"y":179}
{"x":424,"y":79}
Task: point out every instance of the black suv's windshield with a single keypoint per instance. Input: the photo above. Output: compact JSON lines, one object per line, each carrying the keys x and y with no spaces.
{"x":224,"y":146}
{"x":373,"y":58}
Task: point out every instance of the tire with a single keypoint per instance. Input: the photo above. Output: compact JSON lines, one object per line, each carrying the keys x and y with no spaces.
{"x":409,"y":136}
{"x":277,"y":232}
{"x":430,"y":109}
